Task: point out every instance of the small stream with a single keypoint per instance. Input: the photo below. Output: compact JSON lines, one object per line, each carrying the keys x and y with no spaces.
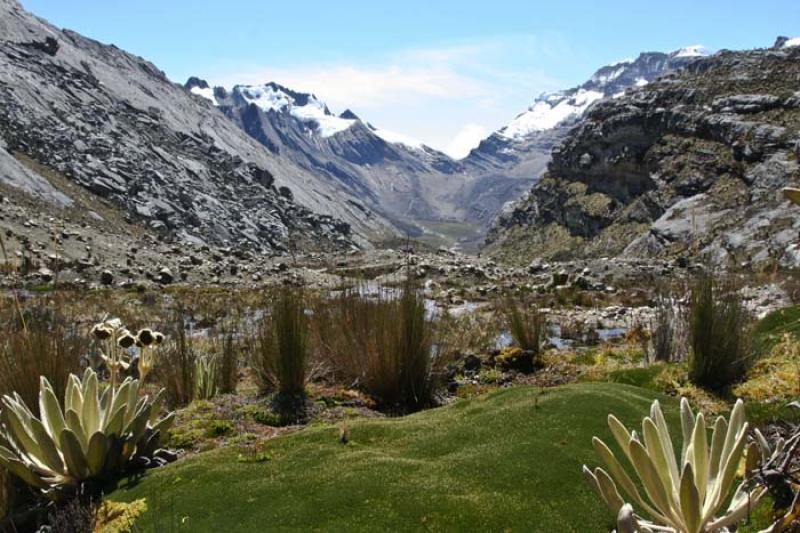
{"x":554,"y":338}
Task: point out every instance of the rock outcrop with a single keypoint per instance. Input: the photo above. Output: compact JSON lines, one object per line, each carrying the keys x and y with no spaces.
{"x":690,"y":164}
{"x":506,"y":164}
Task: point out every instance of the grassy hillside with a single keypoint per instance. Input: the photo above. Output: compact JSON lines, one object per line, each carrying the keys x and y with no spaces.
{"x":508,"y":461}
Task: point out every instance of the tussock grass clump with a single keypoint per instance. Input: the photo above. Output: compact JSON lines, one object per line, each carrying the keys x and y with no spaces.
{"x":38,"y":340}
{"x":718,"y":338}
{"x":528,"y":327}
{"x":385,"y":346}
{"x":176,"y":365}
{"x":226,"y":349}
{"x":283,"y":345}
{"x":467,"y":333}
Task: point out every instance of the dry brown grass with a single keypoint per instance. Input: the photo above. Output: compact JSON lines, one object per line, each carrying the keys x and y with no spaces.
{"x":39,"y":339}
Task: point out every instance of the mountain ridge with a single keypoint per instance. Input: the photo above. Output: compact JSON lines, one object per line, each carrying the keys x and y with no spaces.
{"x":688,"y":165}
{"x":408,"y":182}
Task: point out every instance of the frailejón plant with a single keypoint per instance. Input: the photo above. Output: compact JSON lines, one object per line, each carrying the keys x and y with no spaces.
{"x":689,"y":493}
{"x":94,"y":437}
{"x":205,"y":377}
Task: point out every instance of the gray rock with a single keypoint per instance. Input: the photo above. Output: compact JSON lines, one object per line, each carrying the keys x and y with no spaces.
{"x":106,"y":277}
{"x":165,"y":276}
{"x":45,"y":274}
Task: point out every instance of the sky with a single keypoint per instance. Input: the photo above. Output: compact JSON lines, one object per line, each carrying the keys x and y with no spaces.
{"x":447,"y":72}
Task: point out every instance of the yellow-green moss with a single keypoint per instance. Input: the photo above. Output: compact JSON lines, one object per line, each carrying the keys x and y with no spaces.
{"x":119,"y":517}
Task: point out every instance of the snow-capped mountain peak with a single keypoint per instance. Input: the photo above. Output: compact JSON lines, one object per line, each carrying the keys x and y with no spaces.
{"x":349,"y":115}
{"x":611,"y":81}
{"x":312,"y":112}
{"x":307,"y":108}
{"x":695,"y":50}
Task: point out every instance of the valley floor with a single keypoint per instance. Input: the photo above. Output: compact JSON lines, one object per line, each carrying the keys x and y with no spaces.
{"x":502,"y":451}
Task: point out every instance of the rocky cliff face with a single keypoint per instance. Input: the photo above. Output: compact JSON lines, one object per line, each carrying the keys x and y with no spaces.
{"x":113,"y":123}
{"x":690,"y":164}
{"x":507,"y":163}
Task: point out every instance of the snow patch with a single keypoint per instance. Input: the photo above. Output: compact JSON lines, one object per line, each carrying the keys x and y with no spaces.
{"x":270,"y":98}
{"x":327,"y":124}
{"x":627,"y":61}
{"x":207,"y":93}
{"x":548,"y":111}
{"x":397,"y":138}
{"x":605,"y":79}
{"x":266,"y":97}
{"x":696,"y":50}
{"x":792,"y":42}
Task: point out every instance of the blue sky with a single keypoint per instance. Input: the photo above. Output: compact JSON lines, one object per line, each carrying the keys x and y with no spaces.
{"x":444,"y":71}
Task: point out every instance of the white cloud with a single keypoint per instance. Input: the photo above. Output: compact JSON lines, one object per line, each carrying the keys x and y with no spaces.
{"x":445,"y":96}
{"x":467,"y":138}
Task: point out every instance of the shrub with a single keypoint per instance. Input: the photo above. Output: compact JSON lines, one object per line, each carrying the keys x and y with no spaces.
{"x":514,"y":358}
{"x":490,"y":376}
{"x":720,"y":352}
{"x":527,"y":327}
{"x":283,"y":348}
{"x":219,"y":428}
{"x":386,"y":346}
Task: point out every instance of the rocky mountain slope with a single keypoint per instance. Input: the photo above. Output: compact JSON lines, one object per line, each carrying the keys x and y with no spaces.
{"x":113,"y":123}
{"x":690,"y":164}
{"x":508,"y":162}
{"x":403,"y":179}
